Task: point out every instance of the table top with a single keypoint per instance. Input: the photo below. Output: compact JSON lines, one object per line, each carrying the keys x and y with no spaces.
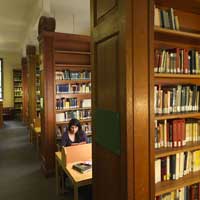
{"x":76,"y":176}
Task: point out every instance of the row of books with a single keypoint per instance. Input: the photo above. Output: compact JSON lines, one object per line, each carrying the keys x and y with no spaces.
{"x":72,"y":75}
{"x":166,"y":18}
{"x":78,"y":114}
{"x":18,"y":100}
{"x":17,"y":79}
{"x":191,"y":192}
{"x":176,"y":133}
{"x":67,"y":103}
{"x":18,"y":85}
{"x":177,"y":61}
{"x":176,"y":166}
{"x":175,"y":99}
{"x":74,"y":88}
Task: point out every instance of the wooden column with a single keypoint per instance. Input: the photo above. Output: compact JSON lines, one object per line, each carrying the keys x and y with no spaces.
{"x":46,"y":43}
{"x":25,"y":89}
{"x":31,"y":64}
{"x":121,"y":84}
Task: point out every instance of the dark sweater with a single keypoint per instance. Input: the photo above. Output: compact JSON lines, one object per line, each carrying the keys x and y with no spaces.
{"x":80,"y":137}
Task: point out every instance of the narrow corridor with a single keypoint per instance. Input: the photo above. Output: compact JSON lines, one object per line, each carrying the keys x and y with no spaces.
{"x":20,"y":174}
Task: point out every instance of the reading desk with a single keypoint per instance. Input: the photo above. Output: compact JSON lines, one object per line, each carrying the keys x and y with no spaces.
{"x":75,"y":177}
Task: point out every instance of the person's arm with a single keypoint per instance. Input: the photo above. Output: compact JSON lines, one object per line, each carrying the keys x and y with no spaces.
{"x":84,"y":137}
{"x":64,"y":139}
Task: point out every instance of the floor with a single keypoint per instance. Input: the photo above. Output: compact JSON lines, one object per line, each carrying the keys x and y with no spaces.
{"x":20,"y":174}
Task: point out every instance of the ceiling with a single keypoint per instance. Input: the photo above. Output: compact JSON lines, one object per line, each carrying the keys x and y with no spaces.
{"x":19,"y":19}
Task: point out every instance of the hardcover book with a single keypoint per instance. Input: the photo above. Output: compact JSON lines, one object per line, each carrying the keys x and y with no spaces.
{"x":82,"y":167}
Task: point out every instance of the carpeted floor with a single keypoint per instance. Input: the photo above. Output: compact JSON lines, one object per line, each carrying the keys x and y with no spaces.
{"x":20,"y":174}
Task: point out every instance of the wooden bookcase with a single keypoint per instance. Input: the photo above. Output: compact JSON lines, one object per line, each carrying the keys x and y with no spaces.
{"x":59,"y":54}
{"x":33,"y":84}
{"x":73,"y":70}
{"x":187,"y":38}
{"x":17,"y":89}
{"x":37,"y":87}
{"x":124,"y":39}
{"x":25,"y":90}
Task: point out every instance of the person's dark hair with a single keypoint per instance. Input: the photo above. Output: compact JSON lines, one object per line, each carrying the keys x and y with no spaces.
{"x":75,"y":122}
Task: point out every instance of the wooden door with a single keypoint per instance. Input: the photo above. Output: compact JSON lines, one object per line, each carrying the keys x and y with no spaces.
{"x":122,"y":99}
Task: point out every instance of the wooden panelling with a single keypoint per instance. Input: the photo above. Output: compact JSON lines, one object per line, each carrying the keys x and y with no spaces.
{"x":25,"y":90}
{"x":106,"y":75}
{"x":72,"y":45}
{"x":104,"y":7}
{"x":48,"y":146}
{"x":110,"y":174}
{"x":70,"y":58}
{"x":31,"y":64}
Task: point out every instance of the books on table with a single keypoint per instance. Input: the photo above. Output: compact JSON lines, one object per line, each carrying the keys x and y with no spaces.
{"x":83,"y":167}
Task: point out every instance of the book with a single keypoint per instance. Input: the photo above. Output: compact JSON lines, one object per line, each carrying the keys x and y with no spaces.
{"x":83,"y":167}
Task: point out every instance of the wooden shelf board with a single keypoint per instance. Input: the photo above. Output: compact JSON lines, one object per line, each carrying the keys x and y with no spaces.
{"x":177,"y":115}
{"x":190,"y":146}
{"x":69,"y":109}
{"x":171,"y":185}
{"x":176,"y":33}
{"x":81,"y":96}
{"x":64,"y":66}
{"x":73,"y":81}
{"x":73,"y":52}
{"x":81,"y":121}
{"x":172,"y":76}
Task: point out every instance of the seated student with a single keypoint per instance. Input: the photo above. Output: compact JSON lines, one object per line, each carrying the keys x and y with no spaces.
{"x":74,"y":134}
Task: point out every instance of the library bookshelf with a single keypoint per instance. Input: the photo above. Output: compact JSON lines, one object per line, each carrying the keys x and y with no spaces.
{"x":73,"y":83}
{"x":179,"y":50}
{"x":17,"y":88}
{"x":25,"y":90}
{"x":33,"y":75}
{"x":65,"y":85}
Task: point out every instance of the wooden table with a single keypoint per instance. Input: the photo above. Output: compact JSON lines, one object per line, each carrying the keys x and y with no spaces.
{"x":75,"y":177}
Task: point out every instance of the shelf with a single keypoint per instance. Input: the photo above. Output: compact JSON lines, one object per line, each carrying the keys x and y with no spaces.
{"x":70,"y":109}
{"x":170,"y":79}
{"x":73,"y":81}
{"x":172,"y":76}
{"x":73,"y":52}
{"x":81,"y":121}
{"x":18,"y":109}
{"x":162,"y":152}
{"x":76,"y":67}
{"x":171,"y":185}
{"x":177,"y":115}
{"x":81,"y":96}
{"x":170,"y":32}
{"x":18,"y":102}
{"x":17,"y":80}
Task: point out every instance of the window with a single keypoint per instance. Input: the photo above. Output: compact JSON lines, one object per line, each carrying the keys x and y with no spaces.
{"x":1,"y":78}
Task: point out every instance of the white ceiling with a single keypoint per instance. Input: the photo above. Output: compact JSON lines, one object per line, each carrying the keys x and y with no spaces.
{"x":19,"y":19}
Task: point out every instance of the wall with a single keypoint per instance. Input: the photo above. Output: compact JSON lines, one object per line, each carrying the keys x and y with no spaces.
{"x":10,"y":61}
